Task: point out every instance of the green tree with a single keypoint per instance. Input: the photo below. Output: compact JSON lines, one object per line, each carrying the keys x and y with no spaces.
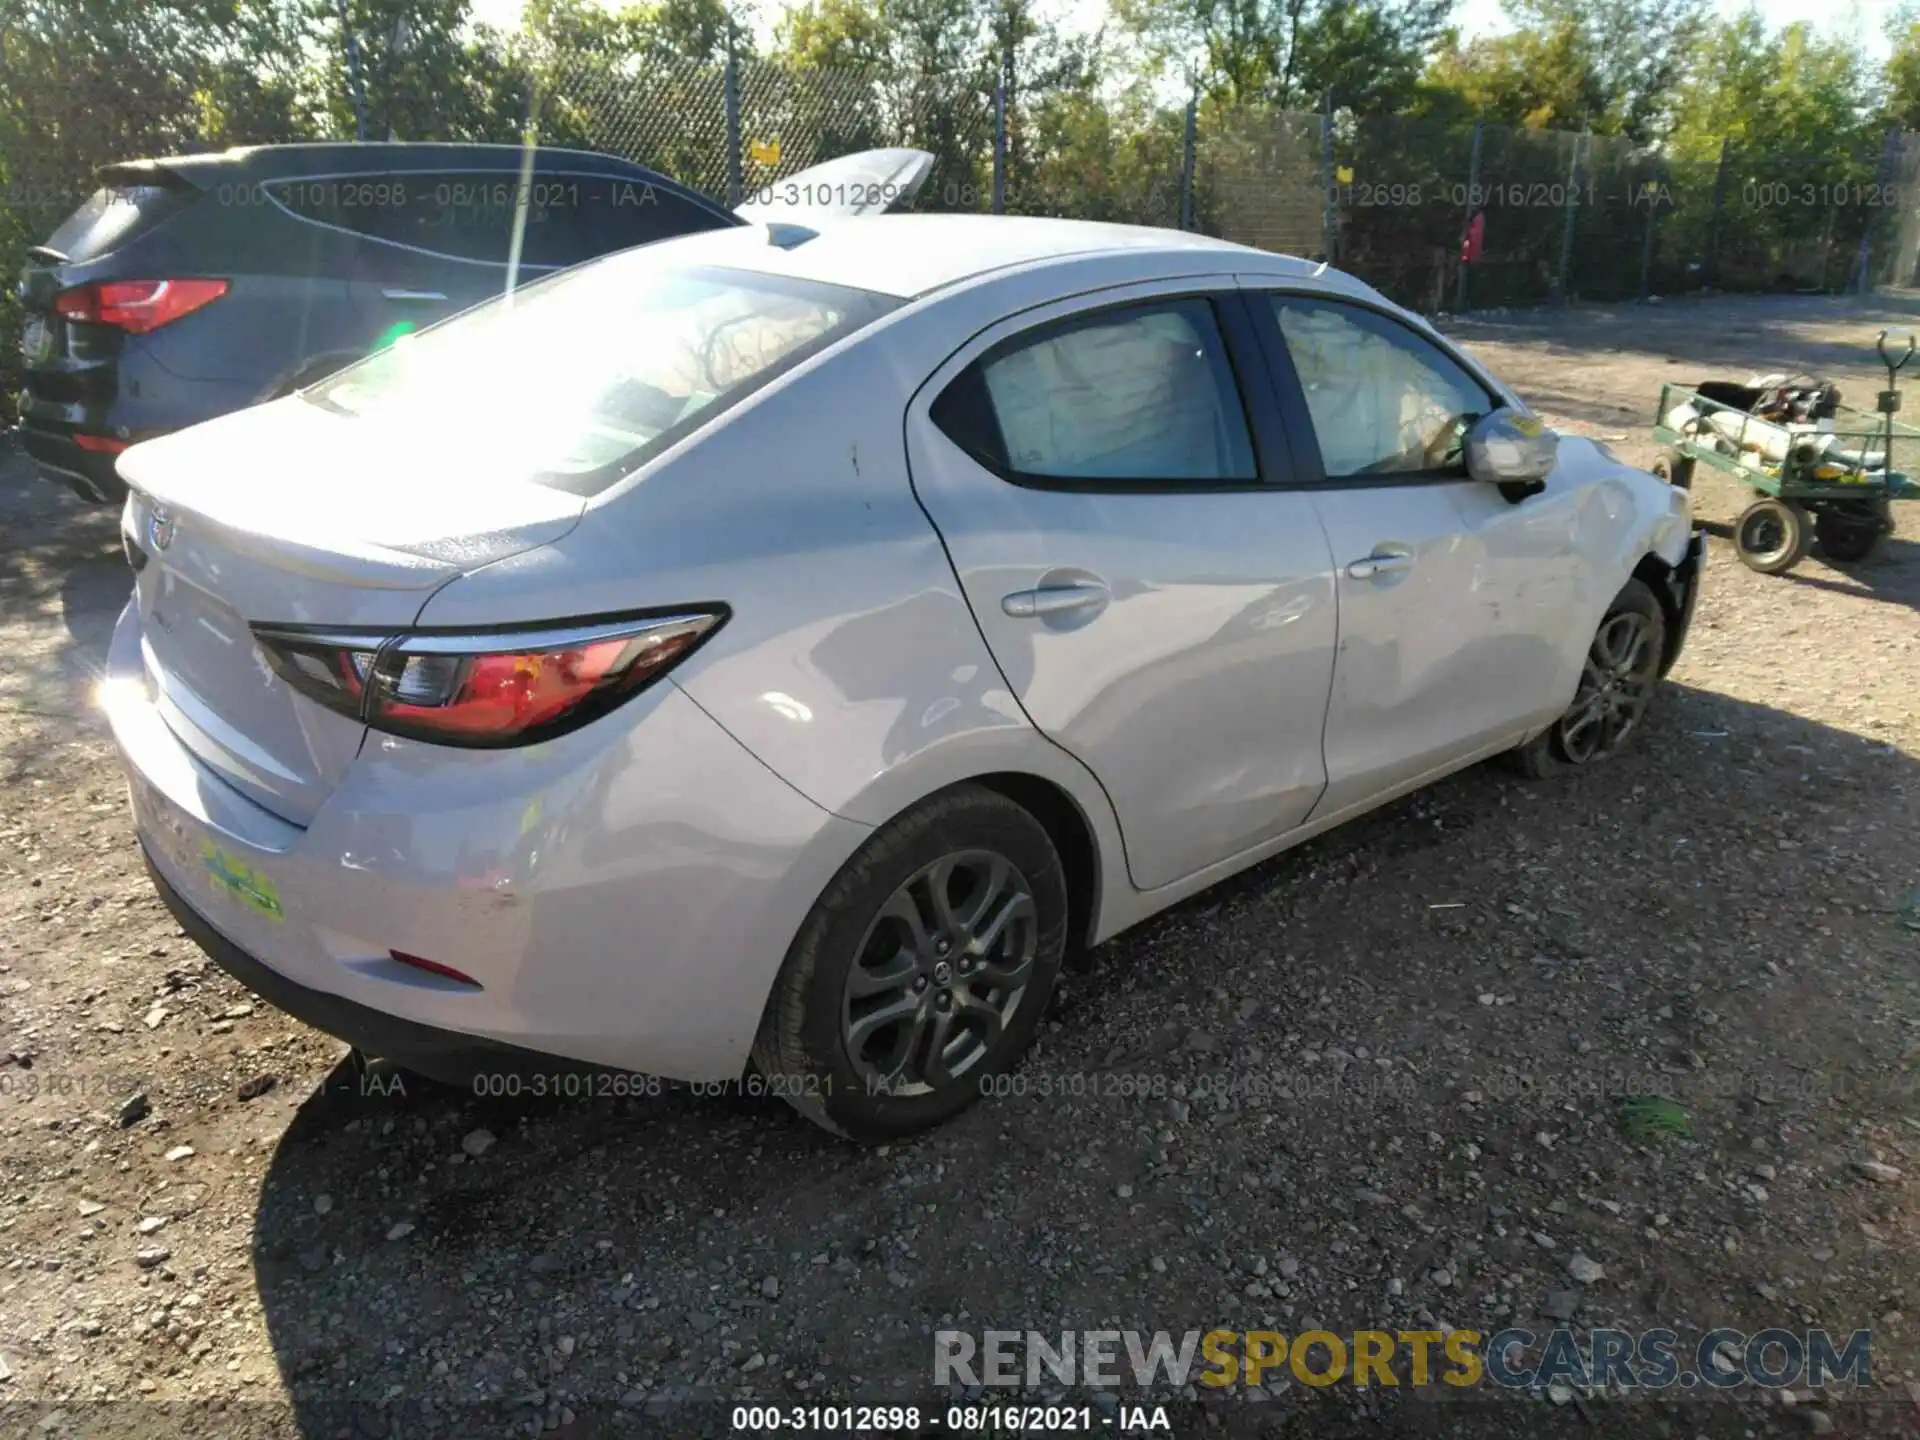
{"x":1539,"y":79}
{"x":1291,"y":53}
{"x":1638,"y":53}
{"x":1901,"y":78}
{"x":415,"y":60}
{"x":1781,"y":92}
{"x":1801,"y":122}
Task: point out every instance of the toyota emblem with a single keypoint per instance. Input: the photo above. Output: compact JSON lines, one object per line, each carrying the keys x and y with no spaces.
{"x":160,"y":529}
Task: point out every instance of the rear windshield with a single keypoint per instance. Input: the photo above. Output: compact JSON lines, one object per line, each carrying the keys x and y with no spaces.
{"x":115,"y":214}
{"x":575,"y":381}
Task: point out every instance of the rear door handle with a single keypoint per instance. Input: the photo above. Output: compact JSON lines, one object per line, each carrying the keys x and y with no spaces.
{"x":1381,"y":562}
{"x":1054,"y":599}
{"x":413,"y":294}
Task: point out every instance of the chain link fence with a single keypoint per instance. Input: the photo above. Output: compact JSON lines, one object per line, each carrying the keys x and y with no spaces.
{"x":1559,"y":217}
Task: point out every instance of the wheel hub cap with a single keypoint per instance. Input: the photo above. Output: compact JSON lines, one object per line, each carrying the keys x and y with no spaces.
{"x":1615,"y":685}
{"x":912,"y":1020}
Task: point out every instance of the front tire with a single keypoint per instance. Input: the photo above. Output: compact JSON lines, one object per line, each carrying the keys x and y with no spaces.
{"x":1616,"y":686}
{"x":922,"y":972}
{"x":1676,"y":470}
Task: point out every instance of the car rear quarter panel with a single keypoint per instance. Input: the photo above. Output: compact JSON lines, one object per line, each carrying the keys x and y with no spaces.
{"x":850,"y":664}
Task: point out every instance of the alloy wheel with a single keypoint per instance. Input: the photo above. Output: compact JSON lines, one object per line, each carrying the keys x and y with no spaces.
{"x":940,"y":973}
{"x":1616,"y":685}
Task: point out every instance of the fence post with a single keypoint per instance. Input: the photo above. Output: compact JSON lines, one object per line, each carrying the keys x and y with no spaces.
{"x":1646,"y":245}
{"x":1000,"y":144}
{"x":353,"y":74}
{"x":1866,"y":233}
{"x":1187,"y":147}
{"x":1466,"y":216}
{"x":730,"y":98}
{"x":1719,"y":213}
{"x":1566,"y":225}
{"x":1826,"y":250}
{"x":1329,"y":214}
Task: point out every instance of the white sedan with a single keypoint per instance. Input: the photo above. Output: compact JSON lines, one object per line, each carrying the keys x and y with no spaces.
{"x":767,"y":652}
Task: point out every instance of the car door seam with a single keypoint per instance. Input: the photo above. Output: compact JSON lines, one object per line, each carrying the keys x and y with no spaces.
{"x":979,"y":630}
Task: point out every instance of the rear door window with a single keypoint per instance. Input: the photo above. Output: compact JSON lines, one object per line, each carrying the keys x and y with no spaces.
{"x":116,"y":214}
{"x":1136,"y":395}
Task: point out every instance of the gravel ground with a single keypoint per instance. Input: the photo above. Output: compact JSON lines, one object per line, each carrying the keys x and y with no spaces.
{"x":1457,"y":991}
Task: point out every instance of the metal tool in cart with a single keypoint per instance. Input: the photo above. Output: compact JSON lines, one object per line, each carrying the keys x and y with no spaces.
{"x":1821,"y":471}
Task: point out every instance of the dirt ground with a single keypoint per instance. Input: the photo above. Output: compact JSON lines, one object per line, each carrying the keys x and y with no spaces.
{"x":1460,"y":989}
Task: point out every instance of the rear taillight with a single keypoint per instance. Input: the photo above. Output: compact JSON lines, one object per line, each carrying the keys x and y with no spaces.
{"x":136,"y":306}
{"x":486,"y":689}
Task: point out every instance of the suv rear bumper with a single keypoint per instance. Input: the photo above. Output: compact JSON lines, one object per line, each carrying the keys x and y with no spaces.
{"x":89,"y":474}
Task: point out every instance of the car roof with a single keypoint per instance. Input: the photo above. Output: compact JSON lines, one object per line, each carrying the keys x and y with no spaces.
{"x":330,"y":157}
{"x":909,"y":255}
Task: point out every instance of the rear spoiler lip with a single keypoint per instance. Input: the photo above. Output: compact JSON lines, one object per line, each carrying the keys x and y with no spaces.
{"x":364,"y":565}
{"x":145,"y":172}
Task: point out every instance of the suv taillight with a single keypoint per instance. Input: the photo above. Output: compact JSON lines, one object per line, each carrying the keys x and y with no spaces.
{"x":486,"y":689}
{"x":136,"y":306}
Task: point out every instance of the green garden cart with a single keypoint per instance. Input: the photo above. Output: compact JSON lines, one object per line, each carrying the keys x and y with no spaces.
{"x":1820,"y":470}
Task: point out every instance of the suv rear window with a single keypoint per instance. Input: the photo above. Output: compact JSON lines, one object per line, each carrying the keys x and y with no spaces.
{"x":470,"y":214}
{"x":115,"y":214}
{"x":576,"y":380}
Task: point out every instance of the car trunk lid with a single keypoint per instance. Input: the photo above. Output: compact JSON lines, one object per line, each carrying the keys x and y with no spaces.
{"x":287,"y":515}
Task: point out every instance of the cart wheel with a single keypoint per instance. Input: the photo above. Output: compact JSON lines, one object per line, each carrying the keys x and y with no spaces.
{"x":1772,"y":536}
{"x":1847,"y":535}
{"x":1676,"y":470}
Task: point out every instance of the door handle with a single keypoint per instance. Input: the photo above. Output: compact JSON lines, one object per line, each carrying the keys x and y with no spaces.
{"x":1381,"y":562}
{"x":1054,"y":599}
{"x":413,"y":294}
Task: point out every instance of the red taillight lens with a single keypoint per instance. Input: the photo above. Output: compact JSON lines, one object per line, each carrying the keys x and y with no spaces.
{"x":136,"y":306}
{"x":500,"y":694}
{"x":486,"y":690}
{"x":101,"y":444}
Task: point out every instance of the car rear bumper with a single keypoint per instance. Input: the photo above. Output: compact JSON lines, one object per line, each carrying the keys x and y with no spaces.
{"x":623,"y":896}
{"x":439,"y":1054}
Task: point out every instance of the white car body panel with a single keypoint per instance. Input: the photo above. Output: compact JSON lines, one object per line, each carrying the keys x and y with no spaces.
{"x":625,"y":894}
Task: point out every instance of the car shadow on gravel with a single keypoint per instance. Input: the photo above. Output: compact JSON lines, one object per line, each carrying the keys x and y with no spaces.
{"x":58,"y":555}
{"x":450,"y":1264}
{"x":1891,"y":573}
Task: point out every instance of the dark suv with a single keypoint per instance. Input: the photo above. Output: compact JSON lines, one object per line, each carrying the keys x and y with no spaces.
{"x":189,"y":287}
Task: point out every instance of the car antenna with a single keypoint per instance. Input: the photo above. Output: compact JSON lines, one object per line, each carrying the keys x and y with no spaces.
{"x":1322,"y":269}
{"x":787,"y":235}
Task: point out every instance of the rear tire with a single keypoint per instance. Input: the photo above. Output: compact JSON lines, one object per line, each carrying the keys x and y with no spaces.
{"x":922,"y":972}
{"x":1617,"y":682}
{"x":1848,"y":535}
{"x":1772,"y":535}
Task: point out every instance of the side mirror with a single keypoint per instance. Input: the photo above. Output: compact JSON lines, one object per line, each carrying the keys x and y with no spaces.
{"x":1511,"y":448}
